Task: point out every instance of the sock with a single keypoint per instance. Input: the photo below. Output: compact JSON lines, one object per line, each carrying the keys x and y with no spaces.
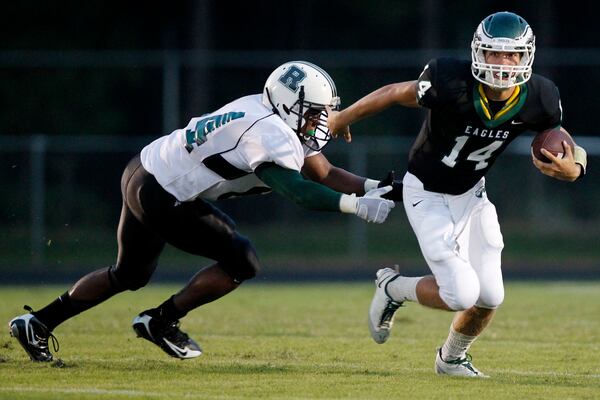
{"x":168,"y":312}
{"x":403,"y":288}
{"x":456,"y":345}
{"x":59,"y":311}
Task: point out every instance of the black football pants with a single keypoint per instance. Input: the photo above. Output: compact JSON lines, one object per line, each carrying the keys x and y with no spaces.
{"x":152,"y":217}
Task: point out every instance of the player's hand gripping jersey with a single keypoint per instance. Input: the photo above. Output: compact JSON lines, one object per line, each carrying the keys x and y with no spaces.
{"x":215,"y":156}
{"x":464,"y":133}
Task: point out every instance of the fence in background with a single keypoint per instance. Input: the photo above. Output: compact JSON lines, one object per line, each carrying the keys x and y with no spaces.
{"x":54,"y":183}
{"x":36,"y":169}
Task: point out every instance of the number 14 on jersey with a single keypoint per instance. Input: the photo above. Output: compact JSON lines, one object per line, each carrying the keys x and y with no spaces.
{"x":479,"y":156}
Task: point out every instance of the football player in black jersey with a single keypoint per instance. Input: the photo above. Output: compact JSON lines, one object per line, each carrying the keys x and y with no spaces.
{"x":475,"y":109}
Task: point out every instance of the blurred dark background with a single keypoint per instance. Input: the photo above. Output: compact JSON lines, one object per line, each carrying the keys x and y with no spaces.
{"x":85,"y":85}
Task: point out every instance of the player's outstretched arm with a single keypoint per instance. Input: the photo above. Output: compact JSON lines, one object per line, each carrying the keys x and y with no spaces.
{"x":567,"y":168}
{"x":402,"y":93}
{"x":318,"y":169}
{"x":292,"y":185}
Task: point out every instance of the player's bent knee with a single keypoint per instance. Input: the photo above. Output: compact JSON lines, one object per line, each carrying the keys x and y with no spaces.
{"x":126,"y":280}
{"x":462,"y":300}
{"x":242,"y":261}
{"x":490,"y":299}
{"x":461,"y":292}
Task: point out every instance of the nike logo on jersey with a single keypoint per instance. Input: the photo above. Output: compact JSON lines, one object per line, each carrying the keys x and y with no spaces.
{"x":417,"y":203}
{"x":513,"y":122}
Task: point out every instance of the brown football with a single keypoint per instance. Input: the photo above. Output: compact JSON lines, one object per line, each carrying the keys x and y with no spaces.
{"x":551,"y":140}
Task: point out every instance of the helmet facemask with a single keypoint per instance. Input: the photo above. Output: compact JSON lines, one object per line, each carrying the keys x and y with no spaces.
{"x":503,"y":32}
{"x":306,"y":114}
{"x":499,"y":75}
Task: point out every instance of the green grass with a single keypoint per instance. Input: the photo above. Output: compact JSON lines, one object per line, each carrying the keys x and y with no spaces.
{"x":310,"y":341}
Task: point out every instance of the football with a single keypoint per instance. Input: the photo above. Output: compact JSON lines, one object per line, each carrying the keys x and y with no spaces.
{"x":551,"y":140}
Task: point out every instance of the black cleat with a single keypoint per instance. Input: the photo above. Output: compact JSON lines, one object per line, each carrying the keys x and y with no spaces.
{"x":33,"y":336}
{"x":166,"y":335}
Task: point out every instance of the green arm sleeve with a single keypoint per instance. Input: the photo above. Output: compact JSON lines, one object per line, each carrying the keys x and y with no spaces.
{"x":291,"y":184}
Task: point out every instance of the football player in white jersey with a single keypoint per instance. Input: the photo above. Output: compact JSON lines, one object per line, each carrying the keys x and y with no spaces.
{"x":255,"y":144}
{"x":475,"y":109}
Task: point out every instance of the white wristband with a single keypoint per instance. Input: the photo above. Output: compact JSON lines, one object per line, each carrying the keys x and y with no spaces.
{"x":580,"y":157}
{"x":370,"y":184}
{"x":348,"y":203}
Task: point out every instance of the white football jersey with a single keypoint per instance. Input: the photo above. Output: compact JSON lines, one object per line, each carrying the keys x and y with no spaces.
{"x":215,"y":155}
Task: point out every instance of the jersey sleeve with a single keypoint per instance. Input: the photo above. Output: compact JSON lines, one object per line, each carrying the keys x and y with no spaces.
{"x":275,"y":147}
{"x":551,"y":107}
{"x":427,"y":91}
{"x":292,"y":185}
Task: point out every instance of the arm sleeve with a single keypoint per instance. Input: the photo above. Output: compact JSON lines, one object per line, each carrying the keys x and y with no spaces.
{"x":551,"y":107}
{"x":427,"y":91}
{"x":292,"y":185}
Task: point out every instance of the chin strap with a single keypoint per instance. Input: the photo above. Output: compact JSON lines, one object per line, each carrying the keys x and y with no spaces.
{"x":274,"y":109}
{"x":300,"y":109}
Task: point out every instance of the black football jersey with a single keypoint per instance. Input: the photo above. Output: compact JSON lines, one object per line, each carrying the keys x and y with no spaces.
{"x":463,"y":133}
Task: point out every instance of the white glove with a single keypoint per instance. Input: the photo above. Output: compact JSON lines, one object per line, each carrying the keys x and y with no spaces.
{"x":370,"y":207}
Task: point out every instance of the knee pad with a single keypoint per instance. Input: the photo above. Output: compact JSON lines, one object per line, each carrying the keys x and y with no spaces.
{"x":491,"y":296}
{"x":462,"y":290}
{"x":241,"y":262}
{"x":123,"y":280}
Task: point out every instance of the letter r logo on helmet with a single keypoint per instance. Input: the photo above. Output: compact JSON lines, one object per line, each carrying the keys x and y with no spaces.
{"x":292,"y":77}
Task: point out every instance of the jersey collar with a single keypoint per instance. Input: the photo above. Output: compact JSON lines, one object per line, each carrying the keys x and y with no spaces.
{"x":512,"y":106}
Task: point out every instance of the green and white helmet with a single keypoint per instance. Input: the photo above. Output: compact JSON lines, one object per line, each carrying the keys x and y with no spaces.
{"x":502,"y":31}
{"x":297,"y":89}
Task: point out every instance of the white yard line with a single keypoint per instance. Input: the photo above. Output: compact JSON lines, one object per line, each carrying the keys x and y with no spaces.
{"x":114,"y":392}
{"x":132,"y":393}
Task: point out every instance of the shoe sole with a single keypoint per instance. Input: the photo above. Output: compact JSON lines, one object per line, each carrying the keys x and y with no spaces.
{"x":380,"y":337}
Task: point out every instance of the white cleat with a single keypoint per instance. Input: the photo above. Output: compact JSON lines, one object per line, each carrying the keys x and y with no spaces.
{"x":458,"y":367}
{"x":383,"y":307}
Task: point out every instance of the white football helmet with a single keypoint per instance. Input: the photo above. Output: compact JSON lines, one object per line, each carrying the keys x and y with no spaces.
{"x":502,"y":31}
{"x":297,"y":90}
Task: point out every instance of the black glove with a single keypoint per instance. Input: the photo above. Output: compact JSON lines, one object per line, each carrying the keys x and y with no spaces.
{"x":396,"y":193}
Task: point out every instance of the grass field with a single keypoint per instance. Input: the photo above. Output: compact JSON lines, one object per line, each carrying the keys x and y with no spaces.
{"x":310,"y":341}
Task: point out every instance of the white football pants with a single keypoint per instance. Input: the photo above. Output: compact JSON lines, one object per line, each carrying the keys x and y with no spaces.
{"x":461,"y":241}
